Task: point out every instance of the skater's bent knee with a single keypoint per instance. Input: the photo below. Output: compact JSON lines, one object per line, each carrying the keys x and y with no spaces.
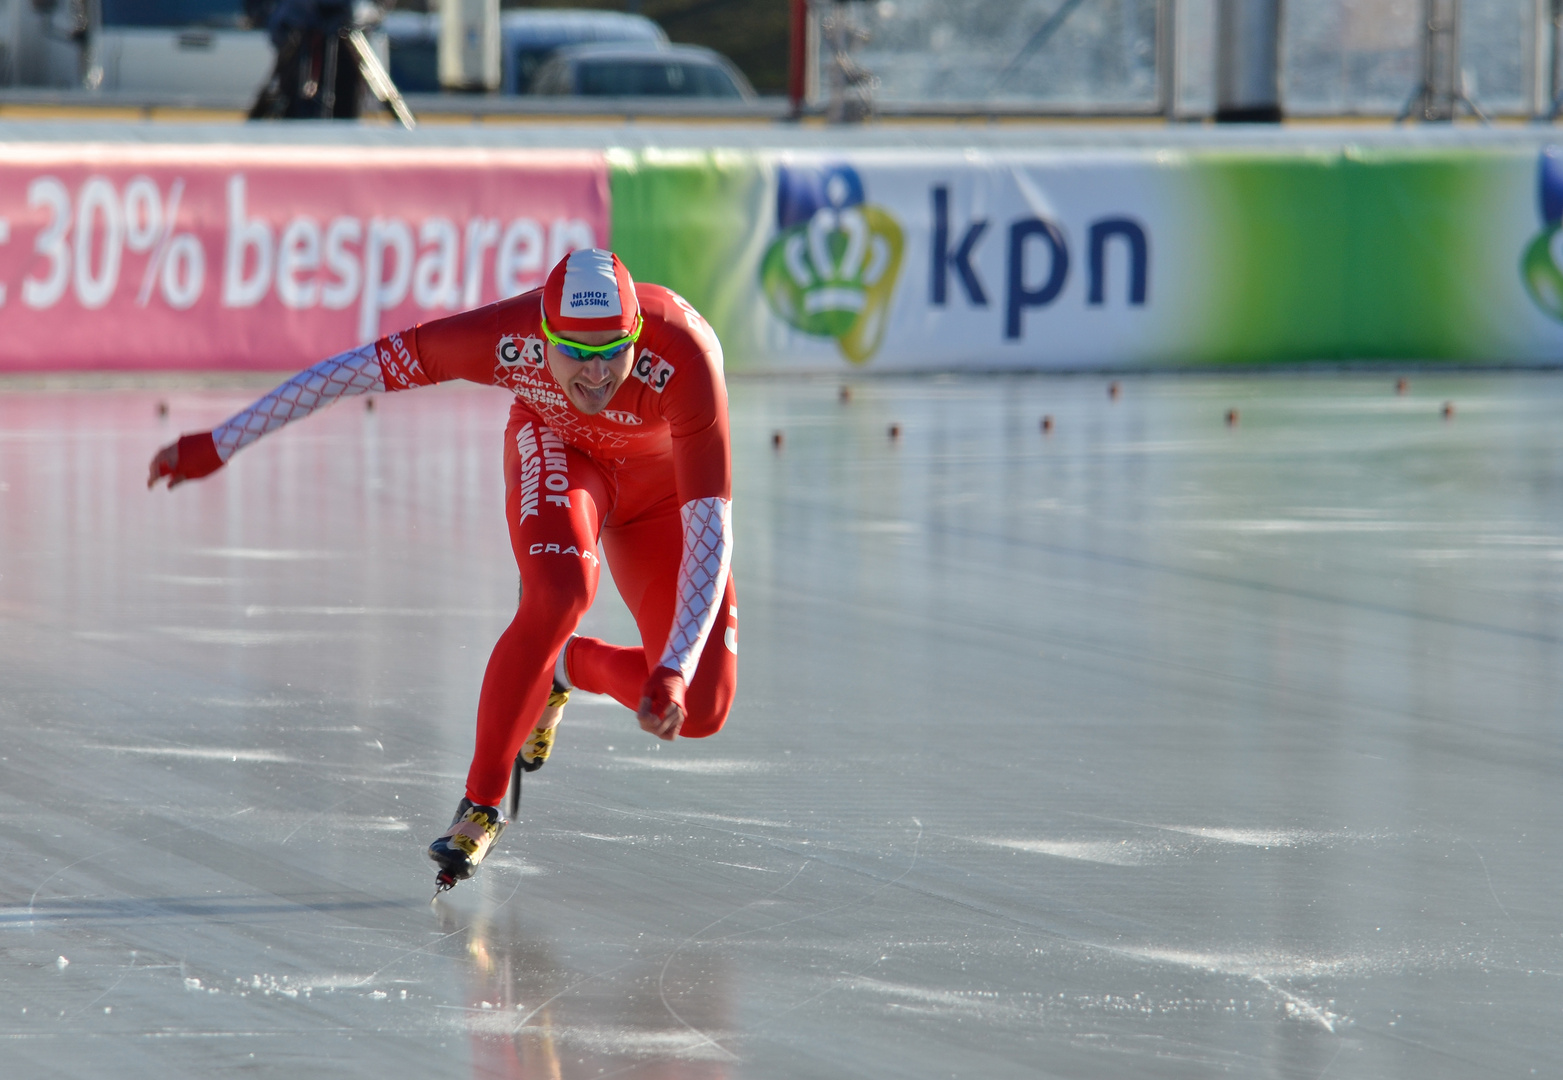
{"x":700,"y":723}
{"x":564,"y":590}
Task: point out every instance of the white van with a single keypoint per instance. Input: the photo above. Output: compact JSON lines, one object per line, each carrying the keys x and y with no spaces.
{"x":201,"y":48}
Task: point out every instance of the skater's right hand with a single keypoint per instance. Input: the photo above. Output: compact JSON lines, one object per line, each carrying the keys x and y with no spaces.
{"x":191,"y":458}
{"x":661,"y":709}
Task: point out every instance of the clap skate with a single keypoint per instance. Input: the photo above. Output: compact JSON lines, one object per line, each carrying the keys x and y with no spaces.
{"x":538,"y":745}
{"x":461,"y":850}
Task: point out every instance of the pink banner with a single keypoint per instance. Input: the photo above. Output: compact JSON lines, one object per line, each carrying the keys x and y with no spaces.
{"x":214,"y":257}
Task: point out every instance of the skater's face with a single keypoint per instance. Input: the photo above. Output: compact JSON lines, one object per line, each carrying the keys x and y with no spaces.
{"x":590,"y":384}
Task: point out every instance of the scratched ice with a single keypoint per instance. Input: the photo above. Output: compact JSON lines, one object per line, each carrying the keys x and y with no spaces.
{"x":1150,"y":747}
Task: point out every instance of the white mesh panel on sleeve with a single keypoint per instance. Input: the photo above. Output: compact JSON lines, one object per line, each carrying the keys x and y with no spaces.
{"x":702,"y":577}
{"x":344,"y":375}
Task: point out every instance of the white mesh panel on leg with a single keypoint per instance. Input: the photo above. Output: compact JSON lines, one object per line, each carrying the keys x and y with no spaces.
{"x":344,"y":375}
{"x":702,"y":576}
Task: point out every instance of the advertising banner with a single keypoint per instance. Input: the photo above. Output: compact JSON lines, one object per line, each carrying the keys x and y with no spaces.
{"x":217,"y":257}
{"x":961,"y":259}
{"x":698,"y":222}
{"x":1375,"y":252}
{"x":213,"y":257}
{"x":1069,"y":259}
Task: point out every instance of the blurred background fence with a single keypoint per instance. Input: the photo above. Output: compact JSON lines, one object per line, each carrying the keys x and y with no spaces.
{"x":858,"y":58}
{"x":1338,"y":57}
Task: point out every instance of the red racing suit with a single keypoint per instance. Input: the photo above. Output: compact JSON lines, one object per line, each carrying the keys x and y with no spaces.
{"x":650,"y":476}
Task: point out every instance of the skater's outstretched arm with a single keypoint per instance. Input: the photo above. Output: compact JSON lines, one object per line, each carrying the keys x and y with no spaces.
{"x":357,"y":371}
{"x":460,"y":347}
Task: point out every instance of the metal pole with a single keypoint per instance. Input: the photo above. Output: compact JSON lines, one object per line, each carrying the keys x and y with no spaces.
{"x":329,"y":47}
{"x":1248,"y":61}
{"x":1169,"y":68}
{"x":1555,"y":51}
{"x":378,"y":79}
{"x":1443,"y":84}
{"x":1441,"y":59}
{"x":1541,"y":58}
{"x":798,"y":55}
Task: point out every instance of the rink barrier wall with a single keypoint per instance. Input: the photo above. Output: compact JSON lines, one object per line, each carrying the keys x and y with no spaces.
{"x":252,"y":257}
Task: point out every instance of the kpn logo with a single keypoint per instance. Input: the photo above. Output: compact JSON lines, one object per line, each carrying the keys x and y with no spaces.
{"x":832,"y":268}
{"x":1540,"y":266}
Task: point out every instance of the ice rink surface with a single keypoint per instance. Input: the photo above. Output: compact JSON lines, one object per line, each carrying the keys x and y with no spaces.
{"x":1150,"y":747}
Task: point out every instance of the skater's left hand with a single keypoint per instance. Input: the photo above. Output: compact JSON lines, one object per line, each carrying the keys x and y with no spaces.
{"x":662,"y":703}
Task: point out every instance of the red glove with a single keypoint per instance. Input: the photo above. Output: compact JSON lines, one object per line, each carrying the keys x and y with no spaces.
{"x":191,"y":458}
{"x":662,"y":703}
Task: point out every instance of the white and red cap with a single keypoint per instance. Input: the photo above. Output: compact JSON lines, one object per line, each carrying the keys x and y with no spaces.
{"x":590,"y":290}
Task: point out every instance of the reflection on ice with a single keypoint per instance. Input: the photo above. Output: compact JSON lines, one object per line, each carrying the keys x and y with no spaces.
{"x":1260,"y":838}
{"x":1107,"y":852}
{"x":1141,"y":849}
{"x":268,"y":554}
{"x":527,"y":1013}
{"x":200,"y":753}
{"x":713,"y":766}
{"x":202,"y":635}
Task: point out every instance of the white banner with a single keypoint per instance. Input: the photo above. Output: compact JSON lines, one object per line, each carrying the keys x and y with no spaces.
{"x":962,"y":259}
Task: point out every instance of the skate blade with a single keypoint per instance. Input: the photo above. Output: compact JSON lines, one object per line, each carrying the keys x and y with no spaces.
{"x":443,"y":882}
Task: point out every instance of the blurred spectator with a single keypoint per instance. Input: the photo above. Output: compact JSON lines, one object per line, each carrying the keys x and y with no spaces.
{"x":316,"y":77}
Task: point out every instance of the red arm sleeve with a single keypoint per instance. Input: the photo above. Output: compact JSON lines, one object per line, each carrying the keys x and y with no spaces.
{"x":695,"y":401}
{"x":459,"y":347}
